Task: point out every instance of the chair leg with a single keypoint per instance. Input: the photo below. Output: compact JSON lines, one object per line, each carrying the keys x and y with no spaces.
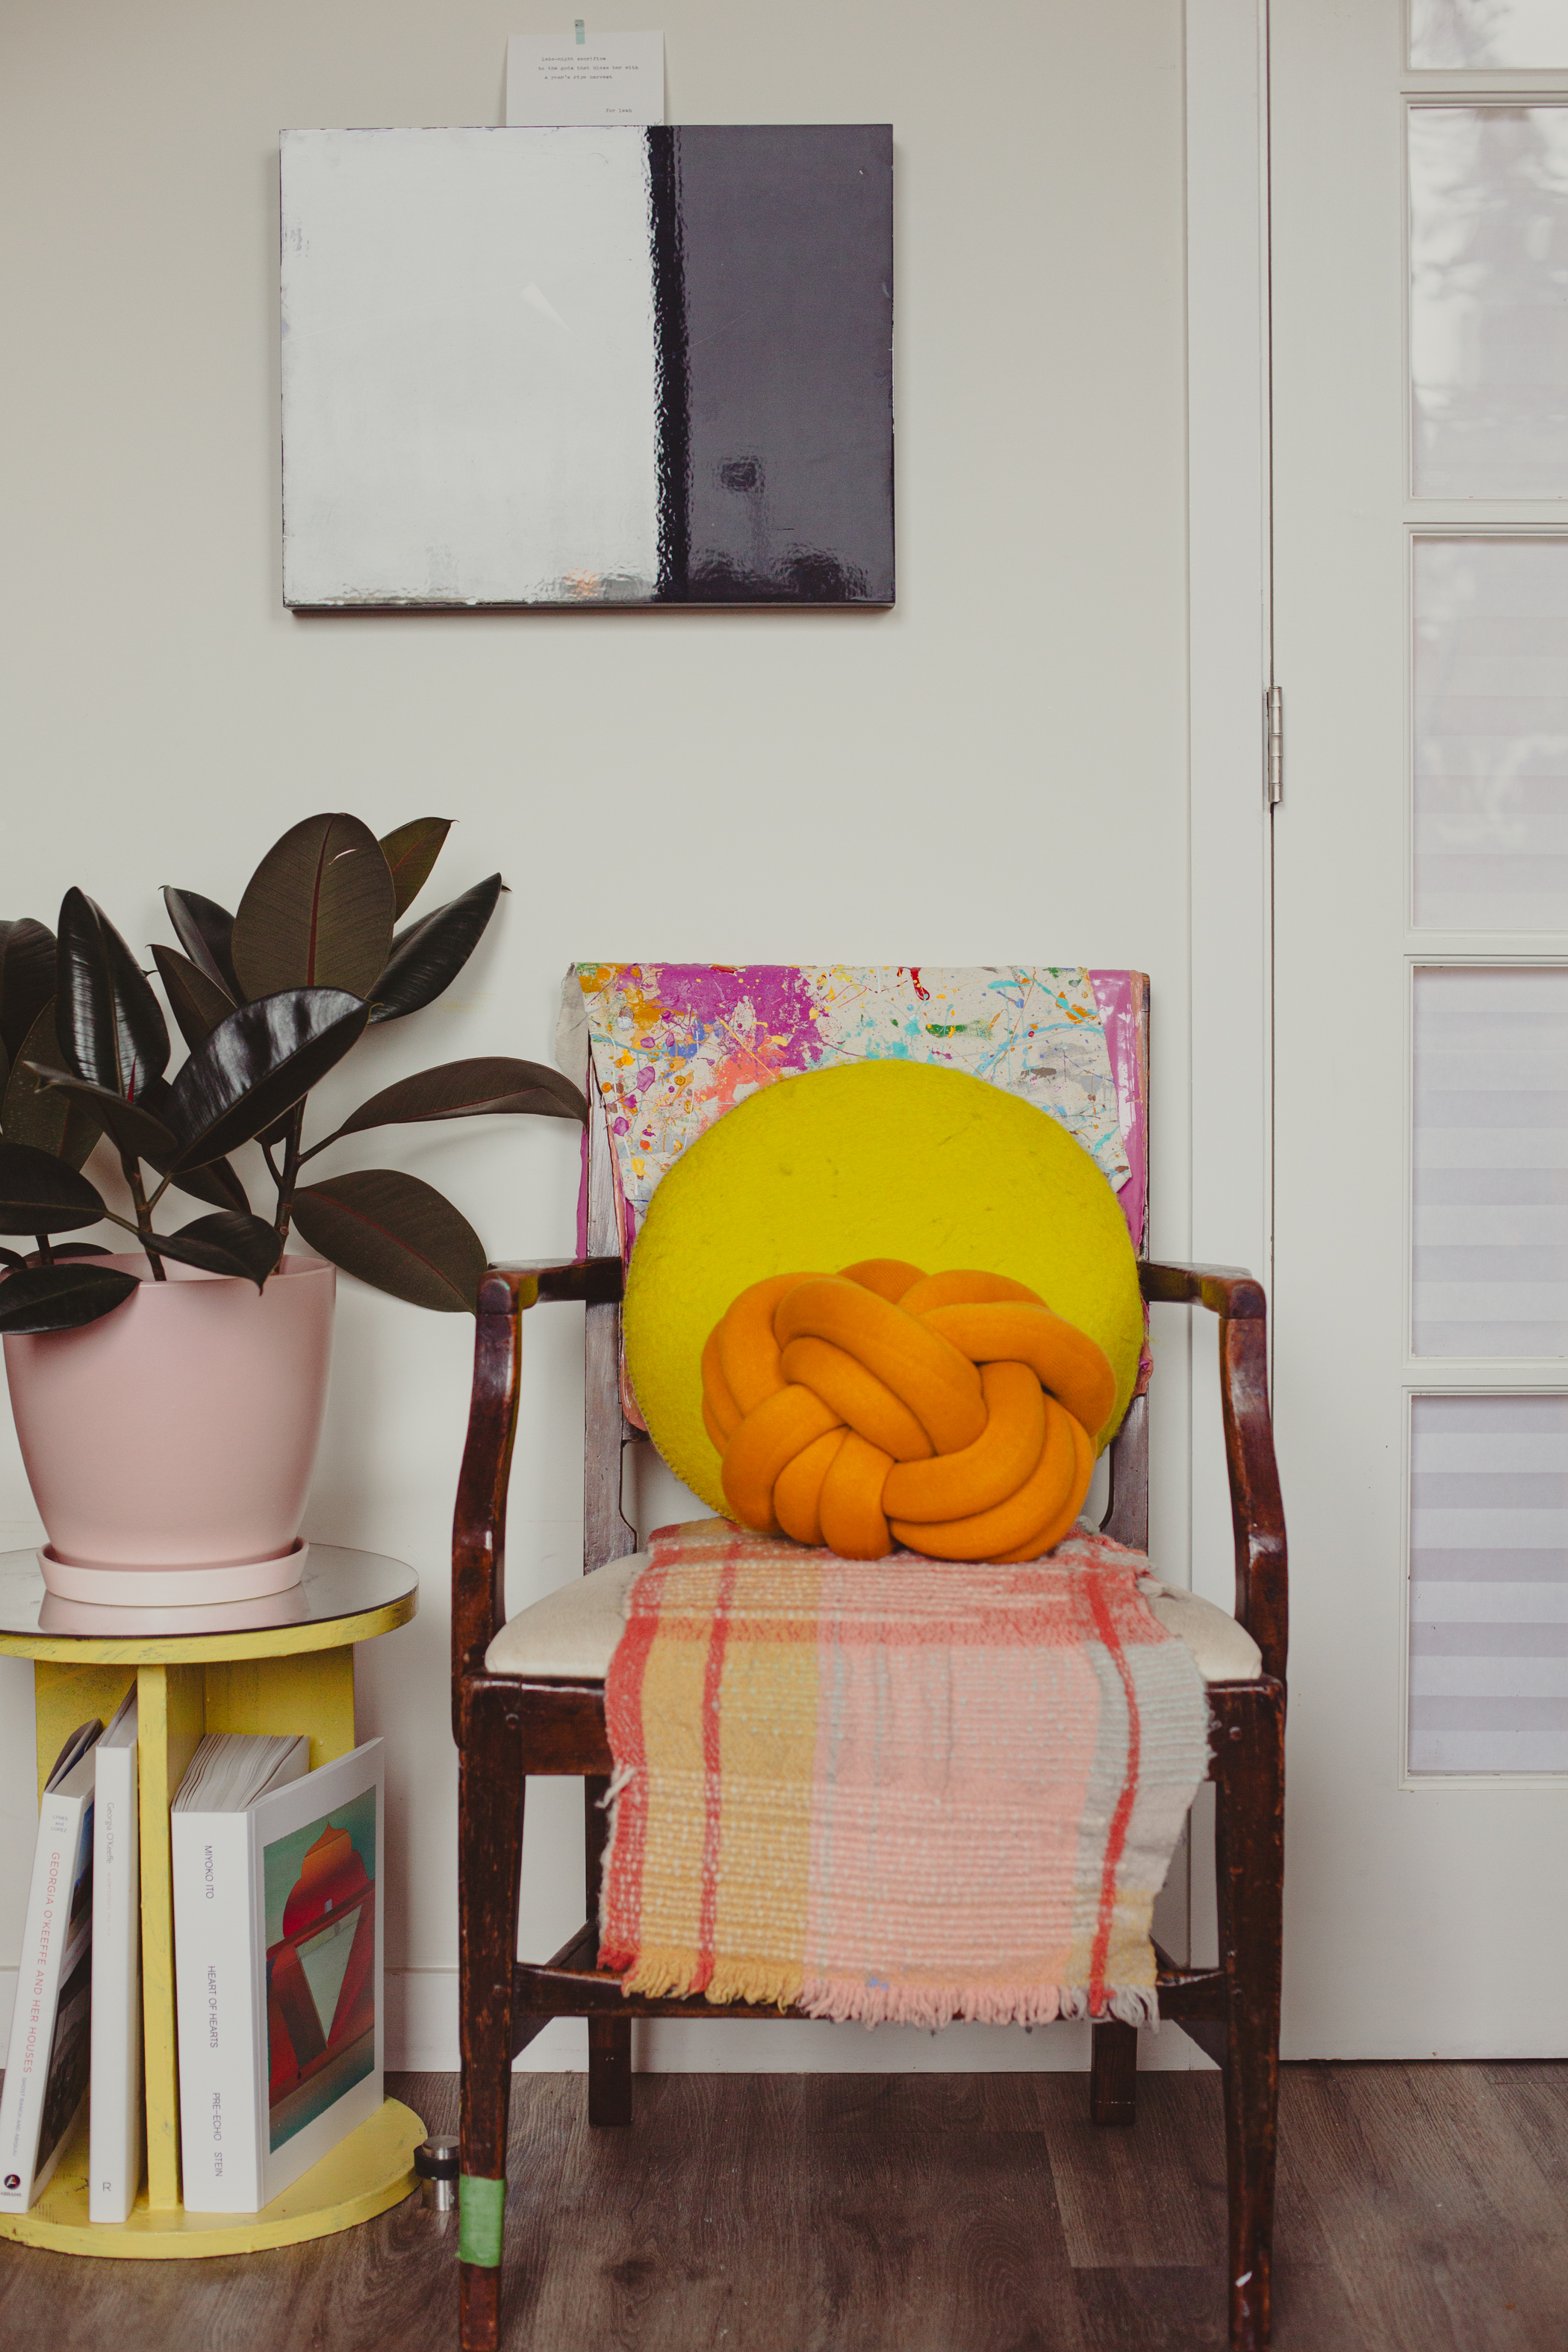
{"x":489,"y":1849}
{"x":1250,"y":1852}
{"x":609,"y":2070}
{"x":610,"y":2038}
{"x":1113,"y":2073}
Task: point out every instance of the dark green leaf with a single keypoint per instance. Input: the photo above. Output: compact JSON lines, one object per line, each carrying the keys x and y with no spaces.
{"x":136,"y":1131}
{"x":40,"y":1194}
{"x":396,"y":1234}
{"x":226,"y":1244}
{"x":33,"y":1112}
{"x":264,"y":1057}
{"x":410,"y":853}
{"x":316,"y":912}
{"x":11,"y":1257}
{"x":428,"y":956}
{"x":26,"y":978}
{"x":59,"y":1250}
{"x":217,"y":1184}
{"x":61,"y":1297}
{"x":109,"y":1025}
{"x":205,"y":931}
{"x":464,"y":1090}
{"x":197,"y":1003}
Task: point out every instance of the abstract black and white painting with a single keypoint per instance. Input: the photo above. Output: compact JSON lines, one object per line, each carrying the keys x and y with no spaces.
{"x":587,"y":366}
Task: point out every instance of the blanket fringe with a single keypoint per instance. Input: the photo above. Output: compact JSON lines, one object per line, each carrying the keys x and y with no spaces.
{"x":670,"y":1973}
{"x":849,"y":2001}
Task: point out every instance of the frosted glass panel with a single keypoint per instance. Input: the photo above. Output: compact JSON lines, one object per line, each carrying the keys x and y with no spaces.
{"x":1490,"y":1273}
{"x":1488,"y":1584}
{"x":1489,"y":321}
{"x":1513,"y":35}
{"x":1491,"y":734}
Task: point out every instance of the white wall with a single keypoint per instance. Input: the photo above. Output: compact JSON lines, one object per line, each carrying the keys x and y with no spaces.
{"x":994,"y":771}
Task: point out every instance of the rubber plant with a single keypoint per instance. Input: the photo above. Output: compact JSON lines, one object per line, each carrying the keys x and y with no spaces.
{"x":268,"y":1000}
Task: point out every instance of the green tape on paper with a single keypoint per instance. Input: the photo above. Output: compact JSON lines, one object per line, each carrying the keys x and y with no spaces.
{"x":481,"y":2209}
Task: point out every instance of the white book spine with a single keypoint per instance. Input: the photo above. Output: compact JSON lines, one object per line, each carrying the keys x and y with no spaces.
{"x":37,"y":1995}
{"x":114,"y":2090}
{"x":216,"y":1997}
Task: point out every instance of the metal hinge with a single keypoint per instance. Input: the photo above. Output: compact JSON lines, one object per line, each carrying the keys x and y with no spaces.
{"x":1274,"y":746}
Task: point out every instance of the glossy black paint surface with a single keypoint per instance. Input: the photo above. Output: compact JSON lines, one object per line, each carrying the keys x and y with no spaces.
{"x":774,"y":261}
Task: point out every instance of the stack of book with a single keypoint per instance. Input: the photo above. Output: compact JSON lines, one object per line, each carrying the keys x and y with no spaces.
{"x":278,"y":1968}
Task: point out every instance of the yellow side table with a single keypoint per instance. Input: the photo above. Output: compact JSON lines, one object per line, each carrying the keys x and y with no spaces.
{"x":283,"y":1664}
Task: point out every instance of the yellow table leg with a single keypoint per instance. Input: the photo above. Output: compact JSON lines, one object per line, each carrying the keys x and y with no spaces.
{"x":170,"y":1720}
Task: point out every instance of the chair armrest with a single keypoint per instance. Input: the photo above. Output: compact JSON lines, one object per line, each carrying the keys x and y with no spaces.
{"x":539,"y":1281}
{"x":1227,"y":1290}
{"x":1257,"y":1513}
{"x":479,"y":1522}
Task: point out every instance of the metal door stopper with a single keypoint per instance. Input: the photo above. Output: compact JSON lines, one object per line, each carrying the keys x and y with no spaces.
{"x":435,"y":2162}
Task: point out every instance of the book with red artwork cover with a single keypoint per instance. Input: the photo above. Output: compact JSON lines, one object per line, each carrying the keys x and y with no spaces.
{"x":277,"y":1964}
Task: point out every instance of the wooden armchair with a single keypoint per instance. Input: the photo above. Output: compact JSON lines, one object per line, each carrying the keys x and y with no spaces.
{"x":508,"y":1726}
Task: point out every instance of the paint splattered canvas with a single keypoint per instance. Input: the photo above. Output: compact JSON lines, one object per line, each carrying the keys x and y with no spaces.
{"x":674,"y":1046}
{"x":588,"y":366}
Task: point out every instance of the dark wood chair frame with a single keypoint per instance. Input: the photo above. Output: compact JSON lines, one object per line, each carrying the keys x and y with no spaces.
{"x":509,"y":1726}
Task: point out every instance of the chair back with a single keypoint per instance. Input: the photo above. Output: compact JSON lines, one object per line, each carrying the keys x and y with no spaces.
{"x":662,"y":1050}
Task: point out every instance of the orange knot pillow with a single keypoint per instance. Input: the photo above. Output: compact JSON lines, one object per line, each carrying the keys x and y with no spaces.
{"x":952,"y":1413}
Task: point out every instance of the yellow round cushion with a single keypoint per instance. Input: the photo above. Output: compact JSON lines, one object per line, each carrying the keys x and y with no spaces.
{"x":867,"y":1159}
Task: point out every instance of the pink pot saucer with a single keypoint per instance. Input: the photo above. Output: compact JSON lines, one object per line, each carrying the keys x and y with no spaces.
{"x":173,"y":1588}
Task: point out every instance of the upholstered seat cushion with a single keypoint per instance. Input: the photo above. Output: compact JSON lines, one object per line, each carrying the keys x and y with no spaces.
{"x":573,"y":1633}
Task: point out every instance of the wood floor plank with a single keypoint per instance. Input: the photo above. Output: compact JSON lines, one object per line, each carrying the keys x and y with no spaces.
{"x":1534,"y":2095}
{"x":935,"y":2222}
{"x":828,"y":2211}
{"x":1422,"y":2208}
{"x":1444,"y":2236}
{"x":1148,"y":2309}
{"x":1149,"y":2196}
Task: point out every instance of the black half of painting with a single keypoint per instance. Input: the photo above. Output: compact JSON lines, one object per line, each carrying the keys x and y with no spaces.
{"x":772,"y":253}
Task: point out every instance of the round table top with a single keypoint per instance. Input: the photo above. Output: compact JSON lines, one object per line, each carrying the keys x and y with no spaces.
{"x":342,"y":1597}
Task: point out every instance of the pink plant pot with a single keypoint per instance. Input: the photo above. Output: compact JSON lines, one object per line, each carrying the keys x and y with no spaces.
{"x":170,"y":1445}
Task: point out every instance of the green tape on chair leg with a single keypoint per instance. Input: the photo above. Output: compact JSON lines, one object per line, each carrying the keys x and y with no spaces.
{"x":481,"y":2209}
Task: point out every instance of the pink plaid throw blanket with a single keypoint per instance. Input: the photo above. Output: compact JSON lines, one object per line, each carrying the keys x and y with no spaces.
{"x":895,"y":1790}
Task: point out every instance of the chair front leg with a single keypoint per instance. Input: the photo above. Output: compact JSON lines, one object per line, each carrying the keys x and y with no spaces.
{"x":1250,"y":1853}
{"x":490,"y":1851}
{"x":610,"y":2038}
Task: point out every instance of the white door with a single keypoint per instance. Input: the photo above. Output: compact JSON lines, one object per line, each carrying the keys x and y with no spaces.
{"x":1420,"y":376}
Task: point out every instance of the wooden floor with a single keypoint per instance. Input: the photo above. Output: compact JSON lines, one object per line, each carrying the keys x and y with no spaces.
{"x":1423,"y":2209}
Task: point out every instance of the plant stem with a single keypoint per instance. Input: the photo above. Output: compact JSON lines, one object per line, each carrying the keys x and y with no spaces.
{"x":287,"y":1181}
{"x":46,"y":1254}
{"x":148,"y":1238}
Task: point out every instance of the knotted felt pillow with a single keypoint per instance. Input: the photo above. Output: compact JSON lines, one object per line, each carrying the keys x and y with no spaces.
{"x":951,"y":1413}
{"x":878,"y":1160}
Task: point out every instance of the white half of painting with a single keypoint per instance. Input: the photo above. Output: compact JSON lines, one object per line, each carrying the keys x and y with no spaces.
{"x":470,"y":368}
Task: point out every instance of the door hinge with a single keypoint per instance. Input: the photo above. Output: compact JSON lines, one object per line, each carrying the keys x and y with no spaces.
{"x":1274,"y":746}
